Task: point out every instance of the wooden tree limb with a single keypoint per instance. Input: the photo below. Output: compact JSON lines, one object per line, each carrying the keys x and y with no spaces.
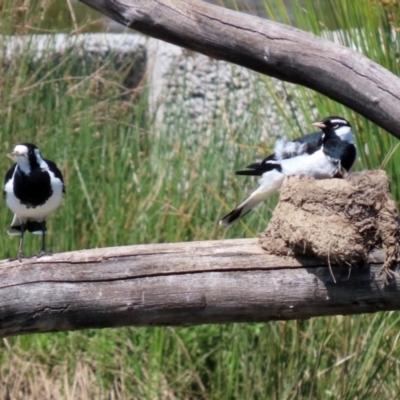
{"x":267,"y":47}
{"x":182,"y":284}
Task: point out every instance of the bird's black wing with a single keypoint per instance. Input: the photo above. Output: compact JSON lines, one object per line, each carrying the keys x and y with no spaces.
{"x":266,"y":160}
{"x":8,"y":176}
{"x":312,"y":140}
{"x":257,"y":169}
{"x":57,"y":173}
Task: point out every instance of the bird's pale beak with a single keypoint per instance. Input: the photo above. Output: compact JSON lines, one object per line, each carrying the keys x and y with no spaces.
{"x":12,"y":155}
{"x":320,"y":125}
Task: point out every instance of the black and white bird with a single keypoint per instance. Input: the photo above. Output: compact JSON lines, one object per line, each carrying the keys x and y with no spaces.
{"x":324,"y":154}
{"x":33,"y":189}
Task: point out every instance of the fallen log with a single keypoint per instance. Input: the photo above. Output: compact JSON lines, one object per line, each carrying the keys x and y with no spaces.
{"x":183,"y":284}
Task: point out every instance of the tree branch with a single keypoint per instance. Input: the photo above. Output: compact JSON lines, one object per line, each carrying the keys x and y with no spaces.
{"x":267,"y":47}
{"x":181,"y":284}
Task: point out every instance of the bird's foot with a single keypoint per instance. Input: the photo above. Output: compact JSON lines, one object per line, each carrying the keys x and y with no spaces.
{"x":43,"y":253}
{"x":18,"y":258}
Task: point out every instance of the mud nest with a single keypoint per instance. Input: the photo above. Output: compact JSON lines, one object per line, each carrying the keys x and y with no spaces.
{"x":337,"y":220}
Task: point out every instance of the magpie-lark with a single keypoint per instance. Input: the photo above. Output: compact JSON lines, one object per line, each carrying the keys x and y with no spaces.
{"x":33,"y":189}
{"x":306,"y":144}
{"x":324,"y":154}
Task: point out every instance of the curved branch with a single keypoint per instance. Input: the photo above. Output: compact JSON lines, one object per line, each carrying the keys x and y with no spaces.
{"x":267,"y":47}
{"x":182,"y":284}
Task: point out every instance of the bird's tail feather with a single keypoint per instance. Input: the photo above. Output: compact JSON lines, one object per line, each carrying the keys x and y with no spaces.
{"x":269,"y":184}
{"x":35,"y":227}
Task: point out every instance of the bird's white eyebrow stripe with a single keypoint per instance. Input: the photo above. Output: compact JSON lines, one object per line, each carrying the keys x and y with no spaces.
{"x":338,"y":121}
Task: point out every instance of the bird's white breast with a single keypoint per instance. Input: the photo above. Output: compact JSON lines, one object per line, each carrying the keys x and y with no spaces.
{"x":38,"y":212}
{"x":316,"y":165}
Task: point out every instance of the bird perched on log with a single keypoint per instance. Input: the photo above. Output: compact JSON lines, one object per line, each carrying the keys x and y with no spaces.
{"x":324,"y":154}
{"x":33,"y":189}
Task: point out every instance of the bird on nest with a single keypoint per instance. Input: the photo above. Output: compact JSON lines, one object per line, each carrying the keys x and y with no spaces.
{"x":328,"y":153}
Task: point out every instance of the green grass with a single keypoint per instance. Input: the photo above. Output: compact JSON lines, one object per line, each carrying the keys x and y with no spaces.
{"x":336,"y":357}
{"x":131,"y":181}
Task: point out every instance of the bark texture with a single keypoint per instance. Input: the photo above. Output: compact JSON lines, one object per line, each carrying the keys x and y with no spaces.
{"x":182,"y":284}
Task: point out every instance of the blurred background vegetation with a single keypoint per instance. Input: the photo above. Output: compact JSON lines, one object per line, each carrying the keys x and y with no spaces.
{"x":130,"y":181}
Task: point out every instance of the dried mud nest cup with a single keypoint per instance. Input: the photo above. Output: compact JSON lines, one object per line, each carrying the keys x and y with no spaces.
{"x":337,"y":220}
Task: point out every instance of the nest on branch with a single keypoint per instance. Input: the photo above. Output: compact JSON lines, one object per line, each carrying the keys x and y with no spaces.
{"x":337,"y":220}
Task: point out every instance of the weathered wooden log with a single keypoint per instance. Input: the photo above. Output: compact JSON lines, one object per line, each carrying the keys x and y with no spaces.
{"x":267,"y":47}
{"x":182,"y":284}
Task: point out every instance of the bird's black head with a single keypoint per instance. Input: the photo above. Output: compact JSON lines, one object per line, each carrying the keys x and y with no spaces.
{"x":335,"y":123}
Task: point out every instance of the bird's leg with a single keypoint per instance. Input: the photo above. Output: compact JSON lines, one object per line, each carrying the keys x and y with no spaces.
{"x":21,"y":243}
{"x":43,"y":250}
